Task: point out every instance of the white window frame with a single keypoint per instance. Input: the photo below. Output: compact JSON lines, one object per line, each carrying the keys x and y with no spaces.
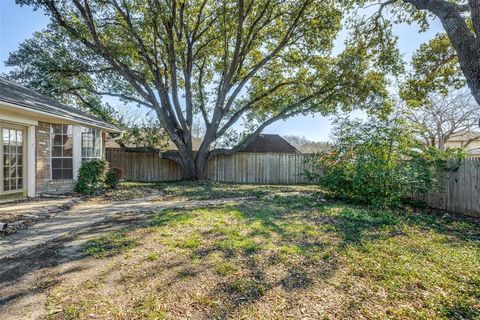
{"x":62,"y":157}
{"x":96,"y":143}
{"x":24,"y":158}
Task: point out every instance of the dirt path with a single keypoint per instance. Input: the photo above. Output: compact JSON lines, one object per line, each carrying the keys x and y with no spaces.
{"x":87,"y":214}
{"x":34,"y":259}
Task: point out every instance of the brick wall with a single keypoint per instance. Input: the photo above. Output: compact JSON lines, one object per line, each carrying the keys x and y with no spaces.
{"x":44,"y":183}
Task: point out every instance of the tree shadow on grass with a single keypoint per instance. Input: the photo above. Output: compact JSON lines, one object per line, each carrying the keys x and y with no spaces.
{"x":355,"y":226}
{"x":257,"y":257}
{"x":15,"y":272}
{"x":284,"y":233}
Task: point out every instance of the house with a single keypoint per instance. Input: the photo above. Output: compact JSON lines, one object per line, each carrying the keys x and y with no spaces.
{"x":470,"y":140}
{"x":43,"y":142}
{"x":269,"y":143}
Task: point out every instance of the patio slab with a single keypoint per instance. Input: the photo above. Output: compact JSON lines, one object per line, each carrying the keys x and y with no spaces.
{"x":22,"y":215}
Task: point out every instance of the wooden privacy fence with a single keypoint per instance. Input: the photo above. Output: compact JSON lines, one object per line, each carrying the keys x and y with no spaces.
{"x":460,"y":192}
{"x":143,"y":166}
{"x":268,"y":168}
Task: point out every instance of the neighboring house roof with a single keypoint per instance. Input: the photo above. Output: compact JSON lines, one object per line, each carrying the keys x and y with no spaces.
{"x":196,"y":142}
{"x":313,"y":147}
{"x":475,"y":151}
{"x":464,"y":136}
{"x":265,"y":143}
{"x":22,"y":97}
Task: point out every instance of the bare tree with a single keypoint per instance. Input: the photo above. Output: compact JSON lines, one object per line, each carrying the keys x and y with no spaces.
{"x":304,"y":145}
{"x":445,"y":118}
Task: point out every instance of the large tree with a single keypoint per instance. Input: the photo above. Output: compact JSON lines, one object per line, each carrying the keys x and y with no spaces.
{"x":460,"y":20}
{"x":260,"y":61}
{"x":49,"y":64}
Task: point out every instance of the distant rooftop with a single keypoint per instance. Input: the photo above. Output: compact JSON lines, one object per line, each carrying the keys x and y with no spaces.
{"x":265,"y":143}
{"x":465,"y":136}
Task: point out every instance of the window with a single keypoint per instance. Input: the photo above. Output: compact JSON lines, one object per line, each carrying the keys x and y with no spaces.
{"x":91,"y":144}
{"x":13,"y":155}
{"x":62,"y":151}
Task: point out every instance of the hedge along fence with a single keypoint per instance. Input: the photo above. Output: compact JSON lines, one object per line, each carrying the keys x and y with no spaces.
{"x":460,"y":192}
{"x":268,"y":168}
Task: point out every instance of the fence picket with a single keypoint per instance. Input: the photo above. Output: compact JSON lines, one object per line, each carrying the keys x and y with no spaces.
{"x":268,"y":168}
{"x":460,"y":194}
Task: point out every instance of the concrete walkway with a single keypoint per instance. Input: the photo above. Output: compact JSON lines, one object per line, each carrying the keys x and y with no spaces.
{"x":87,"y":214}
{"x":16,"y":211}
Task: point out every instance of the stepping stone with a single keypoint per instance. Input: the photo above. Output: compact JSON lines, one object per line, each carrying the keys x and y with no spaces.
{"x":52,"y":208}
{"x":17,"y":225}
{"x":31,"y":216}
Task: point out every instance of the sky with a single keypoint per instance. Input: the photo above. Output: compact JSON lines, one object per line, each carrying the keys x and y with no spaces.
{"x":18,"y":23}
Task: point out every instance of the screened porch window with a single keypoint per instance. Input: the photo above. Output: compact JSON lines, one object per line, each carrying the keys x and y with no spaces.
{"x":62,"y":151}
{"x":91,"y":144}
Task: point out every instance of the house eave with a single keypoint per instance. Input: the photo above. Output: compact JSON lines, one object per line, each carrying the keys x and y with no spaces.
{"x":4,"y":104}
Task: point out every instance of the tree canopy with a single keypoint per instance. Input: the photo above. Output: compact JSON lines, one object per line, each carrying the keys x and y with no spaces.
{"x":435,"y":70}
{"x":460,"y":42}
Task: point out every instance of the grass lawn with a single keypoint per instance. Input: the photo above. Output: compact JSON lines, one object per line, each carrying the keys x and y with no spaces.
{"x":276,"y":257}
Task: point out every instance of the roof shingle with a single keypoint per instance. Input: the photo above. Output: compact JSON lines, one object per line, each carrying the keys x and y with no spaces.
{"x":274,"y":143}
{"x":13,"y":93}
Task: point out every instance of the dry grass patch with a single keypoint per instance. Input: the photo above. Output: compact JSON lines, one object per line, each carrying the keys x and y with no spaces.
{"x":277,"y":258}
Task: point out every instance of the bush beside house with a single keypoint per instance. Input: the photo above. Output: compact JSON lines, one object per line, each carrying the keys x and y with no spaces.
{"x":95,"y":175}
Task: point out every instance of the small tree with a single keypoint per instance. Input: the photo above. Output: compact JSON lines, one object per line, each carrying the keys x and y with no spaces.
{"x":378,"y":162}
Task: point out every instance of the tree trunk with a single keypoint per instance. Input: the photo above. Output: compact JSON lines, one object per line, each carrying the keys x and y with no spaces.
{"x":441,"y":143}
{"x":192,"y":167}
{"x":201,"y":163}
{"x":187,"y":165}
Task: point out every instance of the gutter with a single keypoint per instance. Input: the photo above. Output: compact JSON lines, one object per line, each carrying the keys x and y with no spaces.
{"x":85,"y":122}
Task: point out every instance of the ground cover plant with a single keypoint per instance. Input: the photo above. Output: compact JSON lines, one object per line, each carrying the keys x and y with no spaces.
{"x":187,"y":190}
{"x":281,"y":256}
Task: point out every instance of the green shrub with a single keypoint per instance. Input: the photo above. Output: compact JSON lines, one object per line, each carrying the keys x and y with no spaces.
{"x":113,"y":178}
{"x":91,"y":177}
{"x":379,"y":163}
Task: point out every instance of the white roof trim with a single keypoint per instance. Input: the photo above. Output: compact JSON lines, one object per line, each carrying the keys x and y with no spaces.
{"x":29,"y":110}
